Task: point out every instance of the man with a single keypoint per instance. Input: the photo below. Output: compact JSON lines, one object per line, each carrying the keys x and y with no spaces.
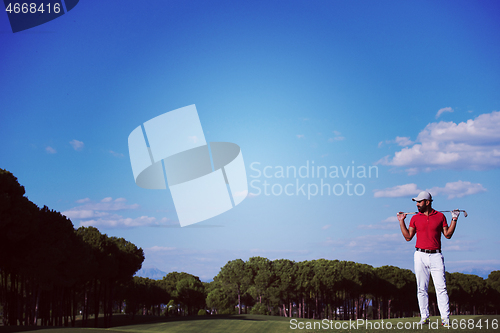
{"x":428,"y":225}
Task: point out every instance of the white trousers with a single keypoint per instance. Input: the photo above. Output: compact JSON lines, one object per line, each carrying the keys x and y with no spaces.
{"x":425,"y":264}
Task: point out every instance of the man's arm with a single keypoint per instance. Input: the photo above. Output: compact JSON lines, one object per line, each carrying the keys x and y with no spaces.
{"x":407,"y":234}
{"x":448,"y":231}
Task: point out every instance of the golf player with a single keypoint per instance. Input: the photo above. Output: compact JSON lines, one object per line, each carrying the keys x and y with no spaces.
{"x":428,"y":225}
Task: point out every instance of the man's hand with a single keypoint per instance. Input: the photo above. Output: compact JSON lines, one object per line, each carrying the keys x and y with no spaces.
{"x":401,"y":216}
{"x":407,"y":234}
{"x":448,"y":231}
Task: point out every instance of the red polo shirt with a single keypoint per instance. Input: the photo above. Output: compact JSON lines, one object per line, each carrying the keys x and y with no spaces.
{"x":428,"y":229}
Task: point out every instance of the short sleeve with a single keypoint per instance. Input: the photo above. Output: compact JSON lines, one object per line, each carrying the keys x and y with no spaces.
{"x":445,"y":223}
{"x":412,"y":222}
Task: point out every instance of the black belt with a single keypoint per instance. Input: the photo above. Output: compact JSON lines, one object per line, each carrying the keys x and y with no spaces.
{"x":427,"y":251}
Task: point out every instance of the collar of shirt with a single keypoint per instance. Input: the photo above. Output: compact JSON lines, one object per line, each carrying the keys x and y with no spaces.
{"x":431,"y":213}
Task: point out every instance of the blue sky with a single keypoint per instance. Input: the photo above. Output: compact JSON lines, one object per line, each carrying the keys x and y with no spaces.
{"x":409,"y":87}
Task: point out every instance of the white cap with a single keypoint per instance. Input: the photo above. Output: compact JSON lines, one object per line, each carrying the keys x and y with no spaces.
{"x":424,"y":195}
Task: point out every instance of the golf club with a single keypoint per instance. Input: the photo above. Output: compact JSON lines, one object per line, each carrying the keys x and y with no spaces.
{"x":442,"y":211}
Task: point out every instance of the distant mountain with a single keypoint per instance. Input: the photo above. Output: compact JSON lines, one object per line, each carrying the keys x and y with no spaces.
{"x":151,"y":272}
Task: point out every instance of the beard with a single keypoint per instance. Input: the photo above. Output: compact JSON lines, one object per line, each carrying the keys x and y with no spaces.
{"x":422,"y":209}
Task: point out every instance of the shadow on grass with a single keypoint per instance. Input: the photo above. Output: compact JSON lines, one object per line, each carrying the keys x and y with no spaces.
{"x":123,"y":320}
{"x":212,"y":317}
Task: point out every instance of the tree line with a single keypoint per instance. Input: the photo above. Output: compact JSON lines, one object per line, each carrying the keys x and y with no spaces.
{"x":315,"y":289}
{"x":339,"y":290}
{"x":51,"y":273}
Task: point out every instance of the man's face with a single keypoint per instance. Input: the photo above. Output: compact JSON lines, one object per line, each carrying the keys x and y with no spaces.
{"x":422,"y":205}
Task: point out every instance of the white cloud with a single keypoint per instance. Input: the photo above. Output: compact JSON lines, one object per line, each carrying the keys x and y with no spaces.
{"x":77,"y":145}
{"x":338,"y":137}
{"x":474,"y":145}
{"x":457,"y":189}
{"x":117,"y":221}
{"x":387,"y":243}
{"x":115,"y":154}
{"x":50,"y":150}
{"x":403,"y":141}
{"x":441,"y":111}
{"x":300,"y":136}
{"x":273,"y":254}
{"x":405,"y":190}
{"x":83,"y":214}
{"x":460,"y":245}
{"x":165,"y":221}
{"x":391,"y":219}
{"x":103,"y":214}
{"x":90,"y":209}
{"x":160,"y":248}
{"x":389,"y":223}
{"x":121,"y":205}
{"x":326,"y":227}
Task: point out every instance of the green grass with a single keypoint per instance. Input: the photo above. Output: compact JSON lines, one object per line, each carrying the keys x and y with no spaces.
{"x":259,"y":324}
